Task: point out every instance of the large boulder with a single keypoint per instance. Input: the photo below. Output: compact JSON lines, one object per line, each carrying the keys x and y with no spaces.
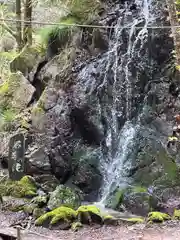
{"x":16,"y":92}
{"x":63,"y":196}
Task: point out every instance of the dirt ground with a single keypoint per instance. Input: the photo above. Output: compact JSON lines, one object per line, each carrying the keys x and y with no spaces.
{"x":167,"y":231}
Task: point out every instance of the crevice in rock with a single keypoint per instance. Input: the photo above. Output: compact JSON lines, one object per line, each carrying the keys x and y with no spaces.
{"x":37,"y":83}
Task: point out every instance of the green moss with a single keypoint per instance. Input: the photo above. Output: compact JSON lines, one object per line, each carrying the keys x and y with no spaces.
{"x":76,"y":226}
{"x":108,"y":217}
{"x":88,"y":214}
{"x":7,"y":118}
{"x":4,"y":88}
{"x":135,"y":220}
{"x":62,"y":213}
{"x":23,"y":188}
{"x":158,"y":217}
{"x":176,"y":214}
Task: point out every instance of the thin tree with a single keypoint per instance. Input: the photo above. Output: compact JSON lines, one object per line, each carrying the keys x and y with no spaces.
{"x":18,"y":25}
{"x":27,"y":31}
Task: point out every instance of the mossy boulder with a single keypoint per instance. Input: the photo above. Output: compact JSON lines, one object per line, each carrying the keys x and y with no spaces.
{"x":135,"y":220}
{"x":158,"y":217}
{"x":15,"y":93}
{"x":26,"y":187}
{"x":63,"y":196}
{"x":59,"y":215}
{"x":176,"y":214}
{"x":89,"y":214}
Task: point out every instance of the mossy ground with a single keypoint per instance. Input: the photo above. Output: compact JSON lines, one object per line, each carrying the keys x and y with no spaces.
{"x":158,"y":217}
{"x":23,"y":188}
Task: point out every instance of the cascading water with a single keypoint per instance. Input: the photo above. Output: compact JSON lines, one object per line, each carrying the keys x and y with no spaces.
{"x":116,"y":169}
{"x":115,"y":82}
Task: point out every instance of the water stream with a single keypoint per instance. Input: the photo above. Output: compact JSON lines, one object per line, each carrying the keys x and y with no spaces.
{"x":117,"y":80}
{"x":115,"y":170}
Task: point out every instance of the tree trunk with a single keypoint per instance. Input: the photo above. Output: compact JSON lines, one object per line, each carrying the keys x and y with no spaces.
{"x":18,"y":24}
{"x":27,"y":31}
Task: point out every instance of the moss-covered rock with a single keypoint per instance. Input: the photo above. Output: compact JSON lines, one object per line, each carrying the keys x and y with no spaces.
{"x":158,"y":217}
{"x":15,"y":93}
{"x":57,"y":216}
{"x":63,"y":196}
{"x":89,"y":214}
{"x":24,"y":188}
{"x":176,"y":214}
{"x":75,"y":226}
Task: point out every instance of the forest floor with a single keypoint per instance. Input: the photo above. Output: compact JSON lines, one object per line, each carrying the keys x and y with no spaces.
{"x":166,"y":231}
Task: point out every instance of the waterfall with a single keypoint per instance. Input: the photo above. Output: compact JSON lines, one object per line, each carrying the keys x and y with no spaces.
{"x":114,"y":81}
{"x":115,"y":170}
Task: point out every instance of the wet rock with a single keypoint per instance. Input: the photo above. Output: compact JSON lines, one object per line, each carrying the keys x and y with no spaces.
{"x":115,"y":199}
{"x":99,"y":41}
{"x":63,"y":196}
{"x":139,"y":203}
{"x":85,"y":176}
{"x":61,"y":165}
